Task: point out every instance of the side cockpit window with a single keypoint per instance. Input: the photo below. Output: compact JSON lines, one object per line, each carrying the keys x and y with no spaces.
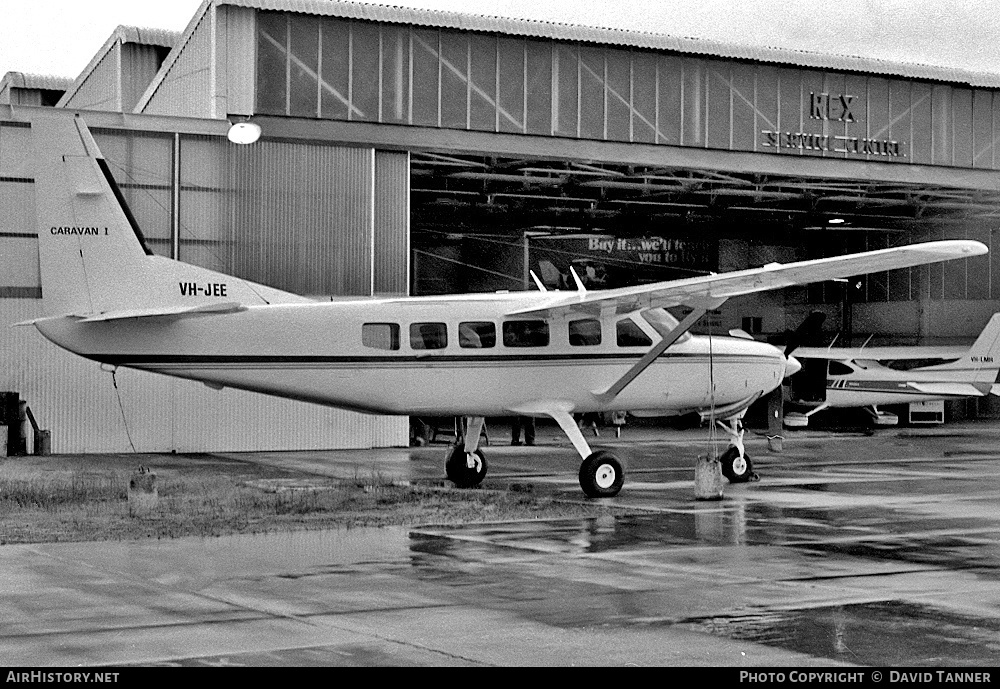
{"x":839,"y":369}
{"x":380,"y":335}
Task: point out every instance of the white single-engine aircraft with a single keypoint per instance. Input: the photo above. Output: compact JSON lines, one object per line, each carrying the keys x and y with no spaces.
{"x":871,"y":376}
{"x":108,"y":298}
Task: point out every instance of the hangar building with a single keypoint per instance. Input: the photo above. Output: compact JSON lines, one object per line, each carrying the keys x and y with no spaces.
{"x":414,"y":152}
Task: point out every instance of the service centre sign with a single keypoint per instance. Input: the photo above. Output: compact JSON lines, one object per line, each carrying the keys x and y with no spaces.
{"x":826,"y":107}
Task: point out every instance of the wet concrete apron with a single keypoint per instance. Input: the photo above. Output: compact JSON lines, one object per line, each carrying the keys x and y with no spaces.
{"x":860,"y":550}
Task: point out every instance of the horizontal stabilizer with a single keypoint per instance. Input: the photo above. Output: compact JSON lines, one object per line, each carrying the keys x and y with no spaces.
{"x":166,"y":312}
{"x":952,"y":389}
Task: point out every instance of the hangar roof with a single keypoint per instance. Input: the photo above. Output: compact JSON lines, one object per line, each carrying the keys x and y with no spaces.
{"x":23,"y":88}
{"x":868,"y":195}
{"x":27,"y":80}
{"x":618,"y":37}
{"x":159,"y":38}
{"x":868,"y":198}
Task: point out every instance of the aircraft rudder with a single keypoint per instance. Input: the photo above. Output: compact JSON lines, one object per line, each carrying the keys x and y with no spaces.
{"x":90,"y":257}
{"x":988,"y":342}
{"x":985,"y":351}
{"x":93,"y":256}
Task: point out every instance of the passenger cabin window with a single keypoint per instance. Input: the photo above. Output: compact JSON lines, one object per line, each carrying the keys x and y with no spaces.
{"x":839,"y":369}
{"x":525,"y":334}
{"x":428,"y":336}
{"x":380,"y":335}
{"x":477,"y":335}
{"x":631,"y":335}
{"x":585,"y":332}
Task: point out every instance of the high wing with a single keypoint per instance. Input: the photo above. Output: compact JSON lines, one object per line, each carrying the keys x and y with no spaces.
{"x":985,"y":350}
{"x":881,"y":353}
{"x":711,"y":290}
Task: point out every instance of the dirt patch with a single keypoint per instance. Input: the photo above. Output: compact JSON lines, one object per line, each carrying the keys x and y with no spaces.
{"x":104,"y":497}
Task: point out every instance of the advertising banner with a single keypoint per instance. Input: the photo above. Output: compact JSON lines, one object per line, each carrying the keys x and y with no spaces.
{"x":604,"y":261}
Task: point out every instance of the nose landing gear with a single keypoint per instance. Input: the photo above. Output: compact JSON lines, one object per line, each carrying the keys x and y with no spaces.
{"x":736,"y":464}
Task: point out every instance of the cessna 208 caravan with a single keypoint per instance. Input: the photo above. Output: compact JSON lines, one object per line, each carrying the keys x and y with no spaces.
{"x":871,"y":376}
{"x":108,"y":298}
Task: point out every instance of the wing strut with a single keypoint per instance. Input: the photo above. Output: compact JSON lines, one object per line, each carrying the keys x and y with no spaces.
{"x":667,"y":339}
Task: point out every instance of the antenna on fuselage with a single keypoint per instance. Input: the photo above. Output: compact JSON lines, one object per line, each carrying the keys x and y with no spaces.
{"x":541,"y":286}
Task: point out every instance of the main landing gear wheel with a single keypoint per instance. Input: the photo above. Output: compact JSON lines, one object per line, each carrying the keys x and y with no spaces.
{"x":601,"y":475}
{"x":465,"y":469}
{"x":735,"y":468}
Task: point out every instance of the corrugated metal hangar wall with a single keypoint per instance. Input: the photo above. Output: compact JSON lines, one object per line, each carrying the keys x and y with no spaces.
{"x":296,"y":216}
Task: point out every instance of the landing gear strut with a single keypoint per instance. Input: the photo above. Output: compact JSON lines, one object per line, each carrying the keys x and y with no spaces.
{"x":601,"y":473}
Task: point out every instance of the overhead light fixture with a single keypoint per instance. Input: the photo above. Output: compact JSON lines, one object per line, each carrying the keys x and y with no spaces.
{"x":835,"y":221}
{"x":244,"y":132}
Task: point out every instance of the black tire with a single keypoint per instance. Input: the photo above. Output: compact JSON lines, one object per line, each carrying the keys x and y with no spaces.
{"x":736,"y":470}
{"x":457,"y":470}
{"x":601,"y":475}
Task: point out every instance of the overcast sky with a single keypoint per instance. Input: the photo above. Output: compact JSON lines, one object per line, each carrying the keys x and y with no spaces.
{"x":60,"y":37}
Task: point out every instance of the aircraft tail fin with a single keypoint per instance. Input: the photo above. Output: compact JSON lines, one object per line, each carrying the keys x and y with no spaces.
{"x":93,"y":256}
{"x":984,"y":355}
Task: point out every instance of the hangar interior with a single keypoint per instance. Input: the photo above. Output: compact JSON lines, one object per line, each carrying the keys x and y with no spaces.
{"x":418,"y":152}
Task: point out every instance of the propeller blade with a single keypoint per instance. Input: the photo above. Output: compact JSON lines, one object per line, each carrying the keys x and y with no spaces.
{"x":811,"y":325}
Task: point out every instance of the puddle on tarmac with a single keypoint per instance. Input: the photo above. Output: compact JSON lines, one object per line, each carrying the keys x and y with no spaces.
{"x":745,"y":525}
{"x":946,"y":552}
{"x":875,"y":634}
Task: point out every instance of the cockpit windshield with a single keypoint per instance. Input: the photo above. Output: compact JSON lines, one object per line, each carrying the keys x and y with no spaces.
{"x":662,"y":320}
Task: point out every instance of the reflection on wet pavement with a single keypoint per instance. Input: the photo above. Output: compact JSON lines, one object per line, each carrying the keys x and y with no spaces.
{"x":877,"y":551}
{"x":882,"y":633}
{"x":883,"y":565}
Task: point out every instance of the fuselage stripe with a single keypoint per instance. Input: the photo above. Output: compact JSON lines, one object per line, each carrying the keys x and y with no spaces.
{"x":312,"y":360}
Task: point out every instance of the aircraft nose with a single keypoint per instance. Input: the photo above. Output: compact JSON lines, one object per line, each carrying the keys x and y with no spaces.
{"x":792,"y":366}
